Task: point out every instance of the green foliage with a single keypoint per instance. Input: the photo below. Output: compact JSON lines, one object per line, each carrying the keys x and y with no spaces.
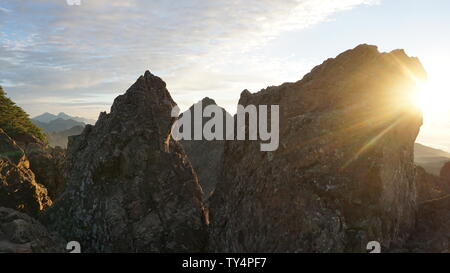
{"x":14,"y":120}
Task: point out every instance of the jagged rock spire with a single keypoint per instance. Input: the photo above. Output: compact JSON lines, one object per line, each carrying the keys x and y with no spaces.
{"x":130,"y":187}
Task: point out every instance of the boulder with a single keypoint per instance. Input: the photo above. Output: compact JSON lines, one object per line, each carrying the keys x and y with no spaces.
{"x":20,"y":233}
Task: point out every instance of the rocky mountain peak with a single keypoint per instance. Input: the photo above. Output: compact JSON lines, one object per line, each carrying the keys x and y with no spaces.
{"x":130,"y":187}
{"x":208,"y":101}
{"x":205,"y":155}
{"x":151,"y":83}
{"x":144,"y":106}
{"x":344,"y":171}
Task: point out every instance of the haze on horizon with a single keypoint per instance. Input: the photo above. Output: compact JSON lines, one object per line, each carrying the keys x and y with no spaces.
{"x":77,"y":59}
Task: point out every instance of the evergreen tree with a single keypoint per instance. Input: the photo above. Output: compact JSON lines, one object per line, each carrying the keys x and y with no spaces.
{"x":14,"y":120}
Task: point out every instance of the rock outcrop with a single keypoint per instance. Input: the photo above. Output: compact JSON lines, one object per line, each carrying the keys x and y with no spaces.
{"x":429,"y":186}
{"x":445,"y":172}
{"x":343,"y":174}
{"x":20,"y":233}
{"x":433,"y":215}
{"x":205,"y":155}
{"x":47,"y":163}
{"x":130,"y":187}
{"x":18,"y":187}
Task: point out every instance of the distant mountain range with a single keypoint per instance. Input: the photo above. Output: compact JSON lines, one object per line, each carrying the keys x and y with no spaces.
{"x":59,"y":127}
{"x":48,"y":117}
{"x":432,"y":160}
{"x":61,"y":138}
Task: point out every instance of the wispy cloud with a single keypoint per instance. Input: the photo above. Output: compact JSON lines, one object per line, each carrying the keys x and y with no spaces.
{"x":3,"y":10}
{"x":51,"y":50}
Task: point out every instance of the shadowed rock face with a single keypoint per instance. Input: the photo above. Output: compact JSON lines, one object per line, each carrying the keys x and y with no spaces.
{"x":18,"y":187}
{"x":343,"y":174}
{"x":206,"y":156}
{"x":130,"y":187}
{"x":433,"y":215}
{"x":20,"y":233}
{"x":48,"y":165}
{"x":445,"y":172}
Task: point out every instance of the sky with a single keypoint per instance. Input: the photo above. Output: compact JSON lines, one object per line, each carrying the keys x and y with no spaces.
{"x":57,"y":57}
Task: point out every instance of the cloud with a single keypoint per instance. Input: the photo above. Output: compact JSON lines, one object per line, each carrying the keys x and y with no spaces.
{"x":3,"y":10}
{"x":49,"y":49}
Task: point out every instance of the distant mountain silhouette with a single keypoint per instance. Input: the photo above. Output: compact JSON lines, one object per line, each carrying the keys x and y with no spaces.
{"x":61,"y":138}
{"x":57,"y":125}
{"x":60,"y":127}
{"x":48,"y":117}
{"x":432,"y":160}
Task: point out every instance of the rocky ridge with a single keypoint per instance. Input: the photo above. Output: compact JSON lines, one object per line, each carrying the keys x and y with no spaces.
{"x":130,"y":187}
{"x":344,"y":172}
{"x":343,"y":175}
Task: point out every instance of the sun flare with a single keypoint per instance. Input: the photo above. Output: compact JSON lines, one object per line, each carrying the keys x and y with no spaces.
{"x":432,"y":97}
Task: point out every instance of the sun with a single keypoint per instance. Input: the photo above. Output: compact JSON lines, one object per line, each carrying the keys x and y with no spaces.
{"x":432,"y":96}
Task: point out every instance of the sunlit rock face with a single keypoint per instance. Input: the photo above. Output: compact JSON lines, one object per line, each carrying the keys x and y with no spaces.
{"x":343,"y":174}
{"x":18,"y":187}
{"x":130,"y":187}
